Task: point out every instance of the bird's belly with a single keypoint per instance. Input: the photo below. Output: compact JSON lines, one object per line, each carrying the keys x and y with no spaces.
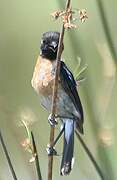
{"x":64,"y":106}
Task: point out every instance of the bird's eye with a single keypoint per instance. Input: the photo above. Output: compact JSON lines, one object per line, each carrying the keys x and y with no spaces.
{"x":43,"y":41}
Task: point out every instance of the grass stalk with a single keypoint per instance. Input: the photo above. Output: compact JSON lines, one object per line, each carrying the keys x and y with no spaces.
{"x":8,"y":157}
{"x":88,"y":152}
{"x":36,"y":158}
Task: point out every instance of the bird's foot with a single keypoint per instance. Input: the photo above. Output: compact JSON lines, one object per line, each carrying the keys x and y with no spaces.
{"x":51,"y":150}
{"x":53,"y":122}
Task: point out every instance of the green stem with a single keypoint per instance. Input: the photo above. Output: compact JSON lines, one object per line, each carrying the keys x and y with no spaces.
{"x":98,"y":169}
{"x":36,"y":158}
{"x":7,"y":157}
{"x":27,"y":130}
{"x":107,"y":31}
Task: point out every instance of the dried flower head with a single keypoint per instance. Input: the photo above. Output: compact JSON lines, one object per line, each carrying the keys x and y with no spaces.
{"x":56,"y":14}
{"x":83,"y":15}
{"x":69,"y":25}
{"x":67,"y":17}
{"x":27,"y":143}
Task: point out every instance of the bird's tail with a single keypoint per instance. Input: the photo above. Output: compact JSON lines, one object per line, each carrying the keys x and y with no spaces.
{"x":68,"y":148}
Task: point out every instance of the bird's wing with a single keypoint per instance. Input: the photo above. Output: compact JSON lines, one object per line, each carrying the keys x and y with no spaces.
{"x":69,"y":85}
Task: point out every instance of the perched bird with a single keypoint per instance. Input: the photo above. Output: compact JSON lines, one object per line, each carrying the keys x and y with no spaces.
{"x":68,"y":108}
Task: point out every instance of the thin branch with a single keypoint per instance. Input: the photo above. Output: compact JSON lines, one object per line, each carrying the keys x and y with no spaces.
{"x":7,"y":157}
{"x":55,"y":90}
{"x":98,"y":169}
{"x":36,"y":157}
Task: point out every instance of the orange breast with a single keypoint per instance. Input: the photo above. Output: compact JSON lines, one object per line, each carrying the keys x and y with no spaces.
{"x":43,"y":76}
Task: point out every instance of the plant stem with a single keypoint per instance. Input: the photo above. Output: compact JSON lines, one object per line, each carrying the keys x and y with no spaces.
{"x":27,"y":129}
{"x":107,"y":31}
{"x":55,"y":90}
{"x":50,"y":158}
{"x":36,"y":158}
{"x":7,"y":157}
{"x":98,"y":169}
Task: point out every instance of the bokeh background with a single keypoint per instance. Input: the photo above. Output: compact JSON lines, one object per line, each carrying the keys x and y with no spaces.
{"x":95,"y":43}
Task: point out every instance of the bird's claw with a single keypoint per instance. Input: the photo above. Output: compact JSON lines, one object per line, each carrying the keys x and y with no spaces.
{"x":53,"y":122}
{"x":51,"y":150}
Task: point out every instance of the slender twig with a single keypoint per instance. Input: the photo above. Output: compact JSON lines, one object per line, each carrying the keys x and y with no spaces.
{"x":55,"y":89}
{"x":36,"y":158}
{"x":7,"y":157}
{"x":98,"y":169}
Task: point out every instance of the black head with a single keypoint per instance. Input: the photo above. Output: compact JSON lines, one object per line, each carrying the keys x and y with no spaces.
{"x":49,"y":45}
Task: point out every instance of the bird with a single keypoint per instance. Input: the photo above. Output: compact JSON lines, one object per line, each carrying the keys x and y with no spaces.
{"x":68,"y":106}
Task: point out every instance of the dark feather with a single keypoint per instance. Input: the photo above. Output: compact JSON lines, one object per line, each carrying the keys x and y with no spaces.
{"x":69,"y":85}
{"x":68,"y":148}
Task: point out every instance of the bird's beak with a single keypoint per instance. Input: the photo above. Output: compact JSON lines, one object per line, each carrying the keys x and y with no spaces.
{"x":53,"y":46}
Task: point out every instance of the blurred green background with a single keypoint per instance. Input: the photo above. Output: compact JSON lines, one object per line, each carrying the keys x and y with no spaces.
{"x":95,"y":42}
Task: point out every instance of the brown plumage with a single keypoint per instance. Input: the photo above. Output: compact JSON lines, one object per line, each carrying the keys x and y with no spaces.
{"x":43,"y":76}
